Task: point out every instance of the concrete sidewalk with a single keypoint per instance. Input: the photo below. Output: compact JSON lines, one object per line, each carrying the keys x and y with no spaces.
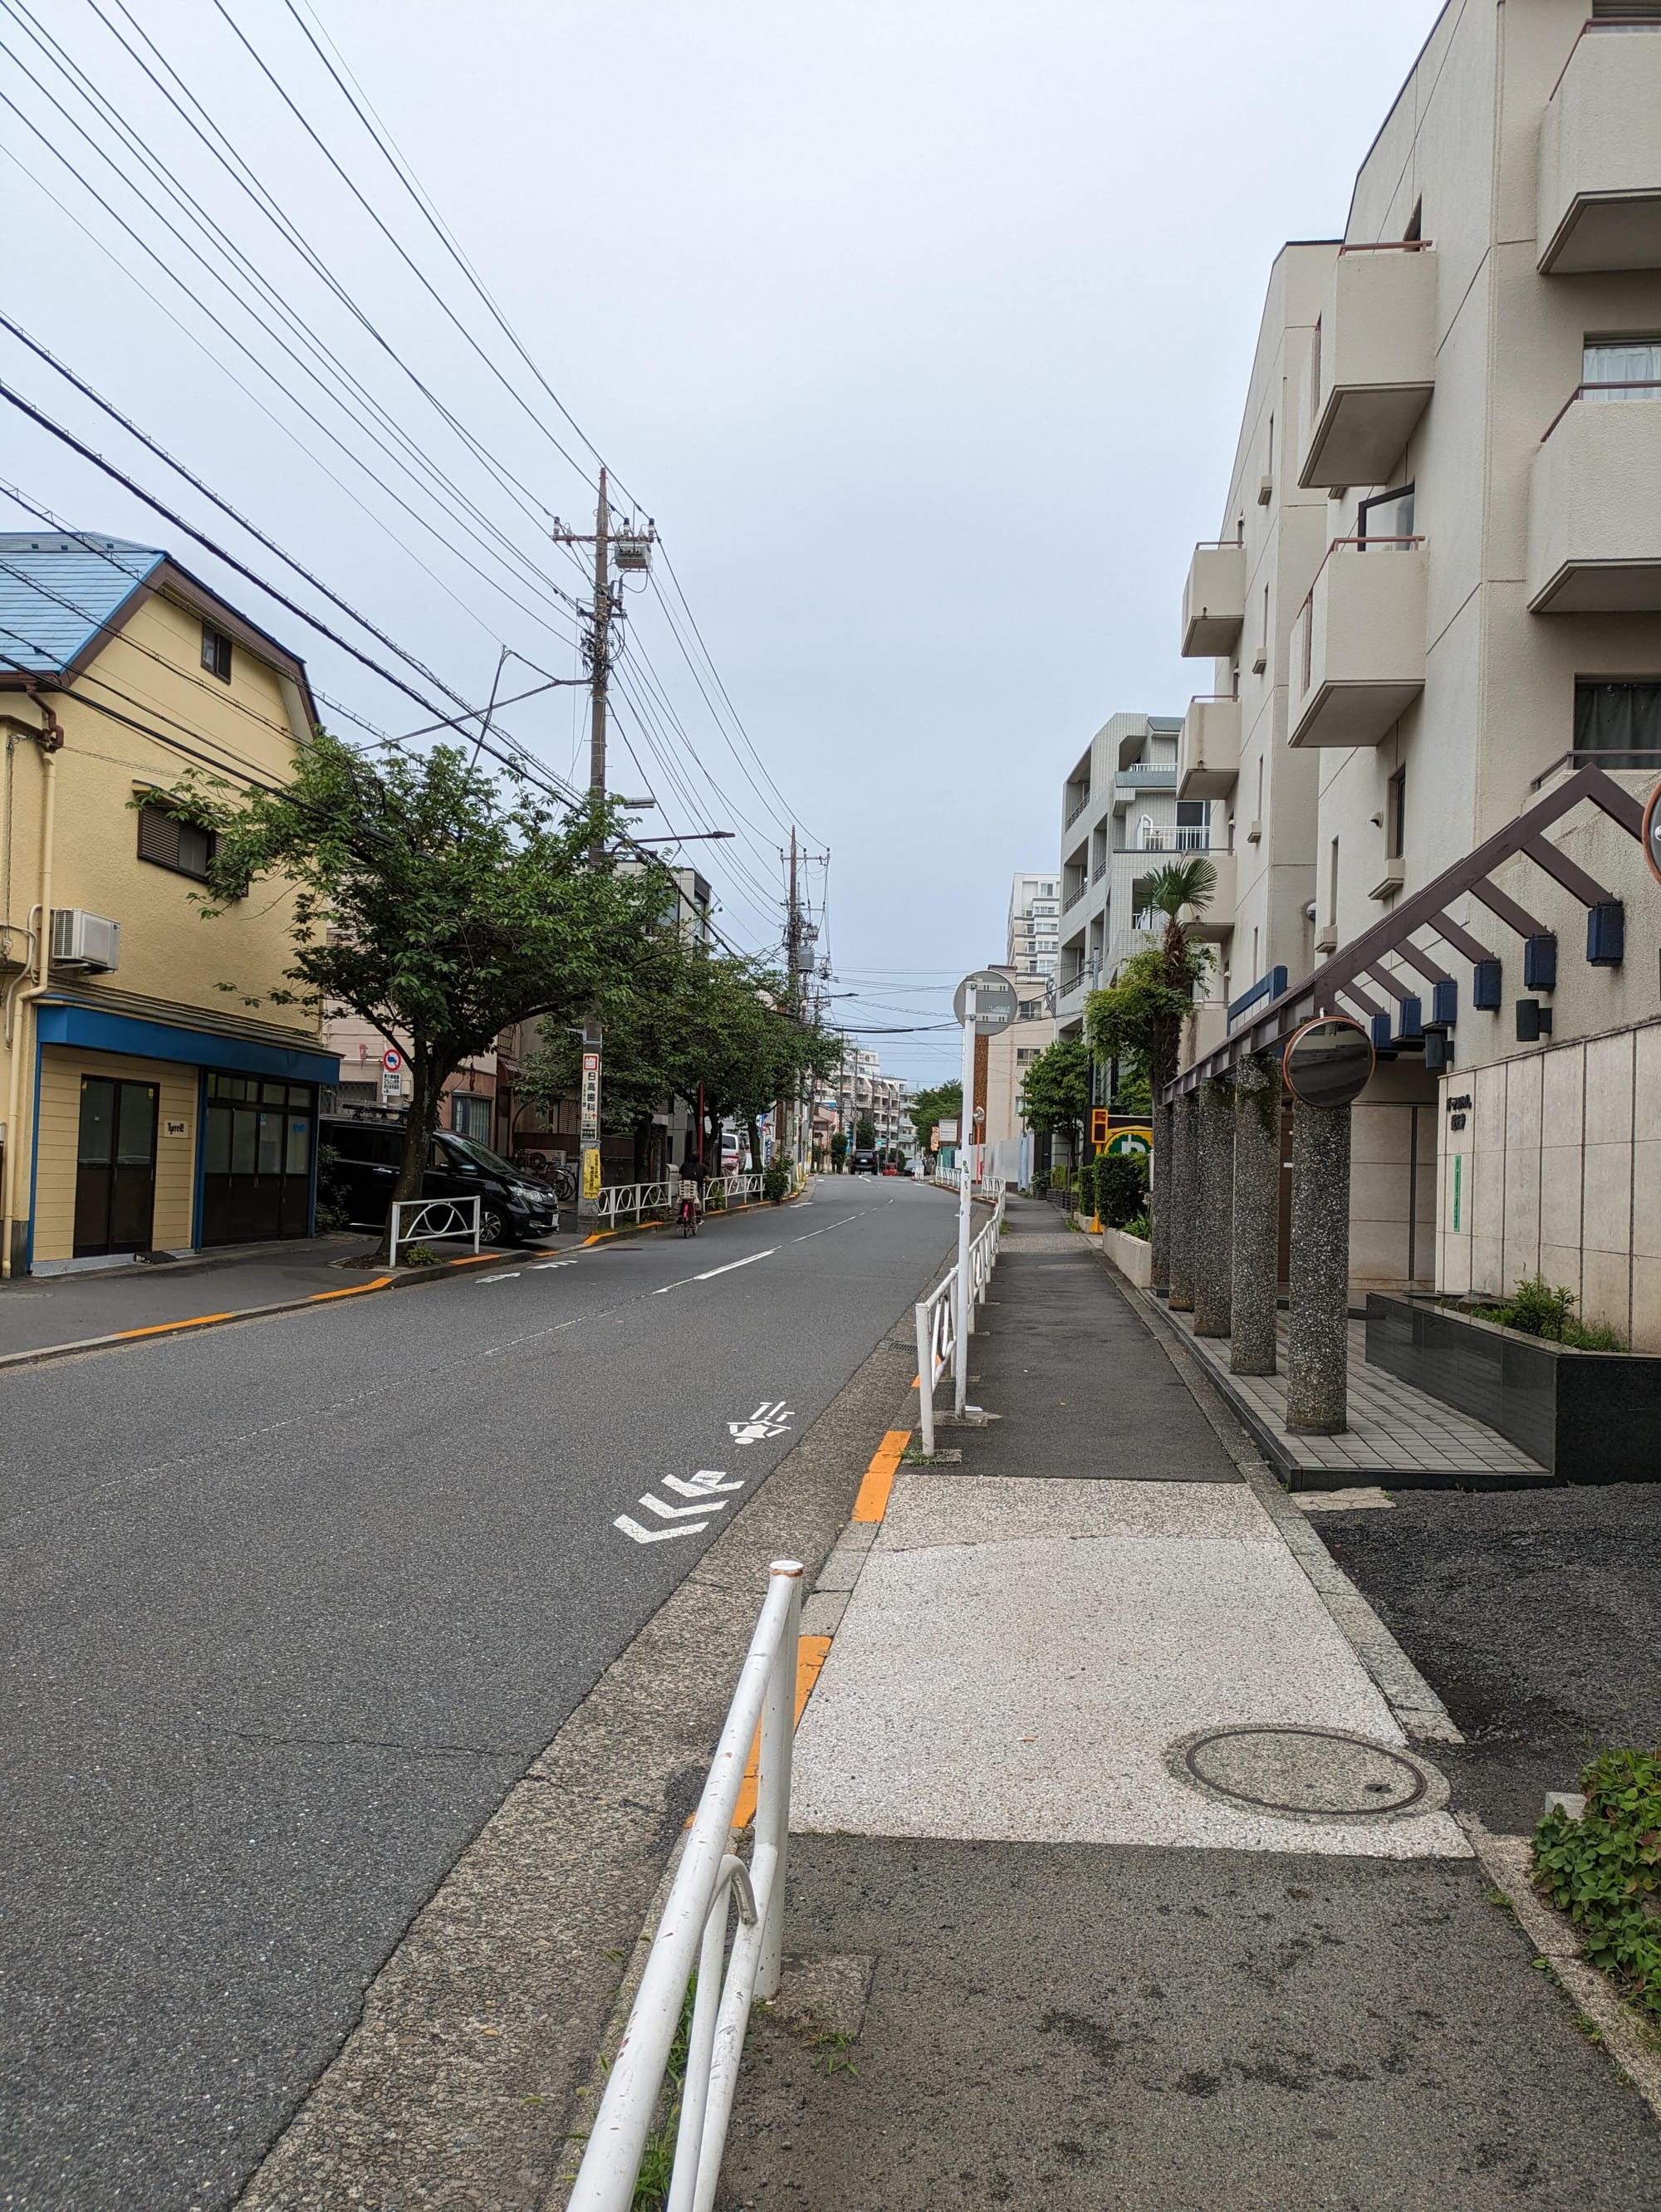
{"x":1117,"y":1879}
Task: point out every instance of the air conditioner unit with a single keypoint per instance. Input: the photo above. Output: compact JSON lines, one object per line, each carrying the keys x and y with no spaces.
{"x":80,"y":939}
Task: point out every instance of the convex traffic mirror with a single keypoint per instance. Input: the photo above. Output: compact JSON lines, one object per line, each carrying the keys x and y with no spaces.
{"x":1328,"y":1062}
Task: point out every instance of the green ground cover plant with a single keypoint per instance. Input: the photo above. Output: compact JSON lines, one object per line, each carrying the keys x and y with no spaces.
{"x":1604,"y":1870}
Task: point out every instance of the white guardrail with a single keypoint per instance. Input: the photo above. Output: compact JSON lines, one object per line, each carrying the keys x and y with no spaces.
{"x":937,"y":1330}
{"x":434,"y":1221}
{"x":635,"y":1201}
{"x":692,"y":1934}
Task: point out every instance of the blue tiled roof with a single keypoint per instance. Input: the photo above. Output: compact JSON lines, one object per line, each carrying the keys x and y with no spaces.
{"x":56,"y":591}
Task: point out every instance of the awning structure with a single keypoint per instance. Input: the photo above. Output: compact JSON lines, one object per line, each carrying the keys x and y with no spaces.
{"x":96,"y":1028}
{"x":1345,"y":981}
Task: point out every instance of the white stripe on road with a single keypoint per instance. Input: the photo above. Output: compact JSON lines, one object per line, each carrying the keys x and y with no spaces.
{"x":657,"y":1535}
{"x":511,"y":1276}
{"x":709,"y":1275}
{"x":830,"y":1225}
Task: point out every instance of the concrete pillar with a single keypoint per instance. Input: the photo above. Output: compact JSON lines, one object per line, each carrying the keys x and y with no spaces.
{"x":1256,"y":1214}
{"x":1184,"y":1116}
{"x":1318,"y":1344}
{"x":1164,"y":1129}
{"x":1214,"y":1208}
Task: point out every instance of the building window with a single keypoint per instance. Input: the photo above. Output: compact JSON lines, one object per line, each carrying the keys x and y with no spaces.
{"x":1388,"y":515}
{"x":1315,"y":373}
{"x":1396,"y":815}
{"x":215,"y":652}
{"x":1631,"y":367}
{"x":1332,"y":887}
{"x":469,"y":1115}
{"x":169,"y":841}
{"x":1620,"y":723}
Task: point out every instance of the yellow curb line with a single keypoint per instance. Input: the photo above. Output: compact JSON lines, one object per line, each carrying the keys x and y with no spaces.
{"x":872,"y":1502}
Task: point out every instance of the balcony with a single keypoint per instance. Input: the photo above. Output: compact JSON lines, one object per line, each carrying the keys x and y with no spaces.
{"x":1169,"y":837}
{"x":1075,"y":802}
{"x":1209,"y":755}
{"x":1599,"y":204}
{"x":1595,"y":505}
{"x":1374,"y":367}
{"x":1141,"y":775}
{"x":1214,"y":600}
{"x":1359,"y":647}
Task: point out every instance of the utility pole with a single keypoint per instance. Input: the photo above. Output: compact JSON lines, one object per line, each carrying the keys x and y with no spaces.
{"x":632,"y":549}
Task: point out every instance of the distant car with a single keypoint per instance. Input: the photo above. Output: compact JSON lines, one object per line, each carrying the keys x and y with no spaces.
{"x":891,"y":1168}
{"x":513,"y":1208}
{"x":864,"y":1163}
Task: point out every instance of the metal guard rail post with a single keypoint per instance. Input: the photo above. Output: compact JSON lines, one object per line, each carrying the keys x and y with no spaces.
{"x":631,"y":1198}
{"x":937,"y":1321}
{"x":693,"y":1933}
{"x":443,"y":1219}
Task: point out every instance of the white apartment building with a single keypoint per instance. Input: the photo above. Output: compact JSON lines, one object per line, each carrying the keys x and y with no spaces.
{"x":1434,"y":599}
{"x":863,"y":1091}
{"x":1034,"y":923}
{"x":1121,"y":818}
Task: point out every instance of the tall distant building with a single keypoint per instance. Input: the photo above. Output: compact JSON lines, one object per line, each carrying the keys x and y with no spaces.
{"x":1034,"y":919}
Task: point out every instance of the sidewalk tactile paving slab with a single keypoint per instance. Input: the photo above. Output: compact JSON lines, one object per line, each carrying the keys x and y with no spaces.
{"x":1106,"y":1649}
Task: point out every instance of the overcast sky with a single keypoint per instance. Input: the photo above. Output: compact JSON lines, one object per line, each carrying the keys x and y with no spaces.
{"x":921,"y":329}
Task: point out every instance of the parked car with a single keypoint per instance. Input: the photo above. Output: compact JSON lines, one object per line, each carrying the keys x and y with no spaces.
{"x":864,"y":1163}
{"x":513,"y":1208}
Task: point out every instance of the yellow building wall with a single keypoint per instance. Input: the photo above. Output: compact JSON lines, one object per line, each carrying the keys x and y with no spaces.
{"x":61,"y":1067}
{"x":241,"y":732}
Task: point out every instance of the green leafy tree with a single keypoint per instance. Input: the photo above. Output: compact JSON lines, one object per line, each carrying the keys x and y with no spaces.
{"x":437,"y":902}
{"x":1056,"y":1089}
{"x":838,"y":1150}
{"x":1139,"y":1017}
{"x":865,"y":1133}
{"x":943,"y":1104}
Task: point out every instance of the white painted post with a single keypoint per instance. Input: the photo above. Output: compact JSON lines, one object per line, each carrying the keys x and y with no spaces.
{"x":926,"y":1379}
{"x":965,"y":1207}
{"x":778,"y":1723}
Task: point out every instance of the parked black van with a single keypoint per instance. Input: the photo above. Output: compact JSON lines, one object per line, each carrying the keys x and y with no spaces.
{"x":513,"y":1209}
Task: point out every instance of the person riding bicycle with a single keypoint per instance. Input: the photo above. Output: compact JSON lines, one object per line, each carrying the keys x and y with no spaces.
{"x":694,"y":1189}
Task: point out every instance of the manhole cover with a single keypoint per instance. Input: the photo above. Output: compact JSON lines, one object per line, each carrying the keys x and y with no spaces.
{"x":1308,"y":1773}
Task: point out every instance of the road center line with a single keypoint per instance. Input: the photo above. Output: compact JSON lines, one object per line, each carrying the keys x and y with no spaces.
{"x":830,"y":1225}
{"x":710,"y":1274}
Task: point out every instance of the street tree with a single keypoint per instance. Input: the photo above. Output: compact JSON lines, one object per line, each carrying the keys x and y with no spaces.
{"x":943,"y":1104}
{"x":1056,"y":1089}
{"x":865,"y":1133}
{"x":1138,"y":1018}
{"x":440,"y":903}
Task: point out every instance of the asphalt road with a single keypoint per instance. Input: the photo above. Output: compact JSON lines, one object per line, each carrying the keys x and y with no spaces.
{"x":295,"y":1602}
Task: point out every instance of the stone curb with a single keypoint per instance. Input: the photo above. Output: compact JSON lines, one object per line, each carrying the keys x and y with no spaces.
{"x":1423,"y":1716}
{"x":419,"y":1278}
{"x":1506,"y":1861}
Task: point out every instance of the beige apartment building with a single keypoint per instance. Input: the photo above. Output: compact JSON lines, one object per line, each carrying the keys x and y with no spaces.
{"x":1034,"y":922}
{"x":1434,"y":603}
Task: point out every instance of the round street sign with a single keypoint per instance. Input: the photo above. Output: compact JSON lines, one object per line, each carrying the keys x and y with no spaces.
{"x":392,"y":1059}
{"x":1132,"y":1144}
{"x":1652,"y":832}
{"x":994,"y":1001}
{"x":1328,"y":1062}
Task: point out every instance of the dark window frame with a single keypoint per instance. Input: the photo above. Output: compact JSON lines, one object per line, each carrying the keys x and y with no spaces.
{"x":216,"y":652}
{"x":1396,"y":815}
{"x":155,"y":821}
{"x":1364,"y":508}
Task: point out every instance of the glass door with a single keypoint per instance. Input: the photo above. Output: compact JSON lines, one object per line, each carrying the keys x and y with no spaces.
{"x":257,"y":1159}
{"x":115,"y":1167}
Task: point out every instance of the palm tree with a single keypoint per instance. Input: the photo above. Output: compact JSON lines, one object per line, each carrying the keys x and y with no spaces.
{"x":1181,"y":886}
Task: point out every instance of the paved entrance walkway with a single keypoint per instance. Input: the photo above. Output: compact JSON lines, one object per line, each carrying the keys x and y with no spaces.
{"x":1137,"y":1893}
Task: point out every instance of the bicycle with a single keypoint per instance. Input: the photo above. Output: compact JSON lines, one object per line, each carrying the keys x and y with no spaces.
{"x":688,"y":1215}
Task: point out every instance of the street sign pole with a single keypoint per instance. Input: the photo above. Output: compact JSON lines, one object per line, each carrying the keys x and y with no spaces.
{"x":589,"y":1187}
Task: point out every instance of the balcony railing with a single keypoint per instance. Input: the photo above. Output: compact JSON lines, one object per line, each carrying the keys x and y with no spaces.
{"x":1145,"y":775}
{"x":1184,"y":837}
{"x":1213,"y":598}
{"x":1098,"y":872}
{"x":1072,"y":898}
{"x":1076,"y":808}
